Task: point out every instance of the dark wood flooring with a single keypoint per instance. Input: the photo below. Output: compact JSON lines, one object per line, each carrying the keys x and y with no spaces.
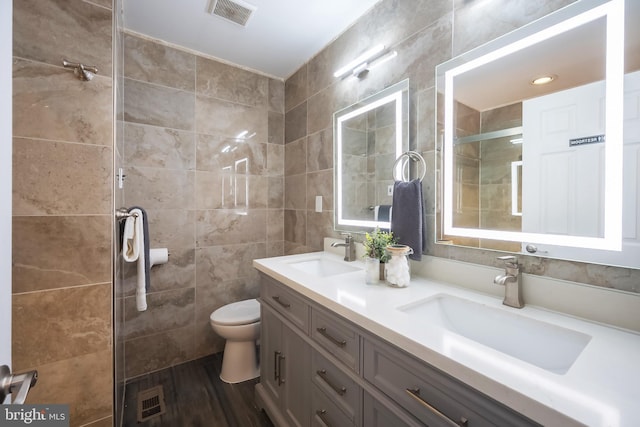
{"x":196,"y":397}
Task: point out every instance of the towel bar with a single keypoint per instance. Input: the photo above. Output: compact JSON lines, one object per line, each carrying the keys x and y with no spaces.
{"x":123,"y":213}
{"x":405,"y":157}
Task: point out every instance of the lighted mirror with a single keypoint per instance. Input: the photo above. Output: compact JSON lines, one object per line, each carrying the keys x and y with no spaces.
{"x":541,"y":138}
{"x":368,"y":138}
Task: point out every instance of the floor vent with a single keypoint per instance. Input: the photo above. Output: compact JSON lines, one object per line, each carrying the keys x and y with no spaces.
{"x":150,"y":403}
{"x":235,"y":11}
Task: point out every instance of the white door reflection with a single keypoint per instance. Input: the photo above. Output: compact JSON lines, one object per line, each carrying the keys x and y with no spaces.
{"x":235,"y":186}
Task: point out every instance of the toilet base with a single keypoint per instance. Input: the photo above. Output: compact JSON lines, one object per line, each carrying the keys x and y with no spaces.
{"x":239,"y":362}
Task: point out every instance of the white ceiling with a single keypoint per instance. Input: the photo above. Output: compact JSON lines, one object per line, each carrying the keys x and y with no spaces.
{"x":280,"y":36}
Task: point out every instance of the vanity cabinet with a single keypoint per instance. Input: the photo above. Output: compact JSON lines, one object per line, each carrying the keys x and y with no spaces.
{"x":319,"y":369}
{"x":284,"y":368}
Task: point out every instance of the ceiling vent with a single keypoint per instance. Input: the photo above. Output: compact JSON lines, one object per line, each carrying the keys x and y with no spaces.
{"x":235,"y":11}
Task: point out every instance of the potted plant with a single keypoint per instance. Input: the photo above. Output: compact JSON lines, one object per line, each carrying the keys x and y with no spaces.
{"x":375,"y":244}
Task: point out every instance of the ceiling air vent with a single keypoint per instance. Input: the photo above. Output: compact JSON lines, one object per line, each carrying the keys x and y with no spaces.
{"x":235,"y":11}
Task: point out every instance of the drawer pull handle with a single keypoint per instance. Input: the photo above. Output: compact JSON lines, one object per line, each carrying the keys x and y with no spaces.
{"x":276,"y":374}
{"x":284,"y":304}
{"x":327,"y":335}
{"x":280,"y":359}
{"x":415,"y":393}
{"x":321,"y":414}
{"x":322,"y":373}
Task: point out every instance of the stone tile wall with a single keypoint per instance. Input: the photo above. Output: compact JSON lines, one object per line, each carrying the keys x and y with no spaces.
{"x":62,"y":205}
{"x":424,"y":33}
{"x":213,"y":198}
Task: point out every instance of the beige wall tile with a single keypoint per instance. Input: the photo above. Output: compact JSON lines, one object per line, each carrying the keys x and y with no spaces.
{"x":166,"y":310}
{"x":275,"y":192}
{"x":295,"y":192}
{"x":153,"y":352}
{"x":474,"y":29}
{"x":295,"y":123}
{"x":227,"y":227}
{"x":320,"y":150}
{"x":320,"y":184}
{"x":150,"y":146}
{"x":155,"y":188}
{"x":295,"y":157}
{"x":178,"y":272}
{"x":218,"y":264}
{"x":51,"y":326}
{"x":60,"y":178}
{"x":276,"y":128}
{"x":153,"y":62}
{"x":172,"y":228}
{"x":319,"y":226}
{"x":150,"y":104}
{"x":295,"y":89}
{"x":275,"y":249}
{"x":275,"y":225}
{"x":230,"y":83}
{"x":275,"y":160}
{"x":219,"y":154}
{"x":50,"y":103}
{"x":52,"y":30}
{"x":83,"y":382}
{"x":60,"y":251}
{"x":223,"y":118}
{"x":295,"y":227}
{"x":276,"y":96}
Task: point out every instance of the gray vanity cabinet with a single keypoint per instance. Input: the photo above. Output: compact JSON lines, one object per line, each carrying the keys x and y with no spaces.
{"x":320,"y":369}
{"x":285,"y":366}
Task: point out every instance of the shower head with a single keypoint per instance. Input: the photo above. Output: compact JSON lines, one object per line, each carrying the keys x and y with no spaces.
{"x":83,"y":72}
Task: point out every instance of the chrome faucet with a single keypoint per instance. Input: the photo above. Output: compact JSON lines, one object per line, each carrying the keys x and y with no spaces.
{"x":349,"y":247}
{"x":511,"y":281}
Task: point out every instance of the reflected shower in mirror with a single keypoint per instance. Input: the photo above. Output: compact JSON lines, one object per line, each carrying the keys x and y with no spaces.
{"x":368,"y":138}
{"x":547,"y":168}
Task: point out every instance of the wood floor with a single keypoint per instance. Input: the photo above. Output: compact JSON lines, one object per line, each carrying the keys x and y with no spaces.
{"x":196,"y":397}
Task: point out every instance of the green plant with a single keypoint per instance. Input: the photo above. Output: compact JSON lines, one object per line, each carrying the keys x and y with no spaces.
{"x":376,"y":242}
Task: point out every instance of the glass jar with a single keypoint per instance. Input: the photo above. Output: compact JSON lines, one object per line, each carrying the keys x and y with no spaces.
{"x":396,"y":270}
{"x":372,"y":270}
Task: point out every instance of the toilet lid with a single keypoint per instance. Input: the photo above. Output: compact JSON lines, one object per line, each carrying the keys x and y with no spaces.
{"x":237,"y":313}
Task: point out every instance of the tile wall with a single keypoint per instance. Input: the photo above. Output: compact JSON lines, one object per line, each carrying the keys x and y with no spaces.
{"x":424,"y":33}
{"x":62,"y":204}
{"x":214,"y":197}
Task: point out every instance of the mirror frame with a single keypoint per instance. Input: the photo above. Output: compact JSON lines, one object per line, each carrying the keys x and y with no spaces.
{"x":399,"y":93}
{"x":556,"y":23}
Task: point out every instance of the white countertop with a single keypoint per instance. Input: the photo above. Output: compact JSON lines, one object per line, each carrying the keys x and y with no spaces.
{"x":600,"y":388}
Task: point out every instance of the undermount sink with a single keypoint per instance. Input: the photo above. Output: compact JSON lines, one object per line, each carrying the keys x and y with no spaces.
{"x":323,"y":267}
{"x":547,"y":346}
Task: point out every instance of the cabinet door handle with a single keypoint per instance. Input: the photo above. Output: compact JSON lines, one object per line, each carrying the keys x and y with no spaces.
{"x":320,"y":413}
{"x":322,"y":373}
{"x":276,"y":373}
{"x":280,"y":359}
{"x":283,"y":304}
{"x":415,"y":394}
{"x":327,"y":335}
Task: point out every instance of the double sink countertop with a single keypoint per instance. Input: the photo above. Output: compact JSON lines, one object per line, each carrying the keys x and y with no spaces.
{"x":553,"y":368}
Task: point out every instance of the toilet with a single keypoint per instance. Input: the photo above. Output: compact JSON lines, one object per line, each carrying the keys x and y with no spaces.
{"x":239,"y":324}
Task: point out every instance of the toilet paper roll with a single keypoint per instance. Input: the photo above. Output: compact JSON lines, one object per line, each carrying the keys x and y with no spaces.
{"x":158,"y":256}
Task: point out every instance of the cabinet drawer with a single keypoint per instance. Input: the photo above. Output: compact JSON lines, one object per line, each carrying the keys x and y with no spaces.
{"x":377,"y":414}
{"x":430,"y":395}
{"x":337,"y":386}
{"x":285,"y":302}
{"x":325,"y":413}
{"x":337,"y":337}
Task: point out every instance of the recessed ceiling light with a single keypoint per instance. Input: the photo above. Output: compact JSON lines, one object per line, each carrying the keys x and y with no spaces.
{"x":543,"y":80}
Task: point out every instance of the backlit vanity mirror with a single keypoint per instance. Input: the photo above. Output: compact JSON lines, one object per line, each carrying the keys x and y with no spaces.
{"x":541,"y":138}
{"x":368,"y":137}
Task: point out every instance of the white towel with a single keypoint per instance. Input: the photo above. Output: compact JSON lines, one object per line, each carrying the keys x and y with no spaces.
{"x":133,"y":251}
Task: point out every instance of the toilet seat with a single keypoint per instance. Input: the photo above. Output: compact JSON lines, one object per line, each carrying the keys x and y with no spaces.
{"x":238,"y":313}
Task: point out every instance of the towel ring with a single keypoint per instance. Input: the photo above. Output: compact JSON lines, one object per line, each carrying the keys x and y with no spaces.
{"x":403,"y":161}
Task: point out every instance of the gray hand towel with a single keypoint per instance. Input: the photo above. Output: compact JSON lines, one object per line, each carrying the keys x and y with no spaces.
{"x":408,"y":221}
{"x":145,"y":231}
